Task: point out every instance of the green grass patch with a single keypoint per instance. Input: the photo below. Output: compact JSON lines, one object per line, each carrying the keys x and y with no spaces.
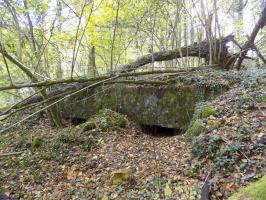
{"x":207,"y":111}
{"x":254,"y":191}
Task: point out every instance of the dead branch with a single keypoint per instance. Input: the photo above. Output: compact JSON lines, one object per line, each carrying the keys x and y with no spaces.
{"x":48,"y":83}
{"x":10,"y":154}
{"x":195,"y":50}
{"x":250,"y":43}
{"x":19,"y":103}
{"x":259,"y":54}
{"x":205,"y":190}
{"x":56,"y":102}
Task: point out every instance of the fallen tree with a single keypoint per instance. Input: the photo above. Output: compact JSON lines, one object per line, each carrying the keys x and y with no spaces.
{"x":201,"y":50}
{"x":250,"y":42}
{"x":220,"y":57}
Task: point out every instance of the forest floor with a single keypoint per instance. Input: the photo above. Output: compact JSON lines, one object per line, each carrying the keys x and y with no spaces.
{"x":78,"y":162}
{"x":44,"y":171}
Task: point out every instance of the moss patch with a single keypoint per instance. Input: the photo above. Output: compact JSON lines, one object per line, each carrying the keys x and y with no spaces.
{"x":195,"y":129}
{"x":254,"y":191}
{"x":263,"y":99}
{"x":207,"y":111}
{"x":105,"y":120}
{"x":37,"y":142}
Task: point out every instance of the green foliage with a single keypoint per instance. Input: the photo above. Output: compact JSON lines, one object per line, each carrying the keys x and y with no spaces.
{"x":105,"y":120}
{"x":37,"y":142}
{"x":67,"y":136}
{"x":89,"y":143}
{"x":263,"y":99}
{"x":254,"y":191}
{"x":72,"y":136}
{"x":195,"y":129}
{"x":192,"y":171}
{"x":224,"y":155}
{"x":246,"y":102}
{"x":207,"y":111}
{"x":205,"y":146}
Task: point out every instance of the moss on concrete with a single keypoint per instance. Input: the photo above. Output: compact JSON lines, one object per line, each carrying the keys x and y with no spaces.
{"x":169,"y":106}
{"x":254,"y":191}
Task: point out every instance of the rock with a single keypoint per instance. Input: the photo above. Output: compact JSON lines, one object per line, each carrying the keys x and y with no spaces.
{"x":120,"y":176}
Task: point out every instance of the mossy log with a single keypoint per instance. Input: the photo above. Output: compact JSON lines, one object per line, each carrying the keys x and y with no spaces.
{"x":201,"y":50}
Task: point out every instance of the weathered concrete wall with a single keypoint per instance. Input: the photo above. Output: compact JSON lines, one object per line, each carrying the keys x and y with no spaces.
{"x":170,"y":106}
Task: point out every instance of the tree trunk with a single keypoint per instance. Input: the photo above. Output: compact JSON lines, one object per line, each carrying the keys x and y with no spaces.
{"x":195,"y":50}
{"x":250,"y":43}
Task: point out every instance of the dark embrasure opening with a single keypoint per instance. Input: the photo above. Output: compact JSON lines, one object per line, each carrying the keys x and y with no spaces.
{"x":160,"y":131}
{"x":76,"y":120}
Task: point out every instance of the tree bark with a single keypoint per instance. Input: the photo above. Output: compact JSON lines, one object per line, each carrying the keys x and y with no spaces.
{"x":196,"y":50}
{"x":250,"y":43}
{"x":52,"y":111}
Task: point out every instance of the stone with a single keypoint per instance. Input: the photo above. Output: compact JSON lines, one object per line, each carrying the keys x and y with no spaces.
{"x":118,"y":177}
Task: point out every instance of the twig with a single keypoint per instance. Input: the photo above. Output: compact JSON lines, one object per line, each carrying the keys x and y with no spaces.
{"x":114,"y":34}
{"x":7,"y":68}
{"x":10,"y":154}
{"x":85,"y":80}
{"x":76,"y":39}
{"x":54,"y":103}
{"x":17,"y":104}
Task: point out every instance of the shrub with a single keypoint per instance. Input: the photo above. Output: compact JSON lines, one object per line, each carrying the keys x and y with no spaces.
{"x":246,"y":103}
{"x":205,"y":146}
{"x":89,"y":143}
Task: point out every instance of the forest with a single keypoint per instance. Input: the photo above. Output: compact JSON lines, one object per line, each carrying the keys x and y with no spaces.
{"x":133,"y":99}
